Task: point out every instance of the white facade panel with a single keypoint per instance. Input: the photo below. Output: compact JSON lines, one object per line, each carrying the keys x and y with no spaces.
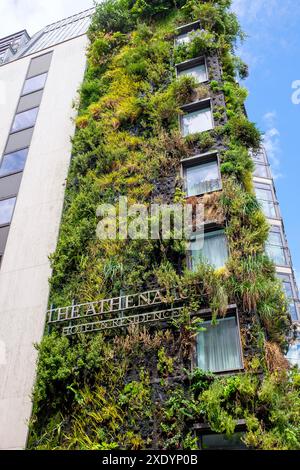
{"x":25,"y":269}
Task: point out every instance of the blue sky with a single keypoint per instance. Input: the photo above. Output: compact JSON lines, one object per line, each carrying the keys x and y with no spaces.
{"x":272,"y":51}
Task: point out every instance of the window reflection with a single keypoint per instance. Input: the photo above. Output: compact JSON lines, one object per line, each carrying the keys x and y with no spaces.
{"x":25,"y":120}
{"x":6,"y":210}
{"x":34,"y":83}
{"x":13,"y":162}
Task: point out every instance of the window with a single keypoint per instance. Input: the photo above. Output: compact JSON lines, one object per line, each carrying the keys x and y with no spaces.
{"x":19,"y":140}
{"x":260,"y":157}
{"x":184,"y":33}
{"x":198,"y":72}
{"x":275,"y":247}
{"x":221,"y":442}
{"x":183,"y":38}
{"x":39,"y":65}
{"x":261,"y":171}
{"x":197,"y":121}
{"x":218,"y":347}
{"x":264,"y":195}
{"x":202,"y":178}
{"x":34,"y":83}
{"x":25,"y":120}
{"x":293,"y":354}
{"x":6,"y":210}
{"x":32,"y":100}
{"x":290,"y":292}
{"x":13,"y":162}
{"x":210,"y":247}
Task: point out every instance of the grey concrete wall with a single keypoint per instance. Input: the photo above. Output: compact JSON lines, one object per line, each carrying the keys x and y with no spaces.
{"x":34,"y":230}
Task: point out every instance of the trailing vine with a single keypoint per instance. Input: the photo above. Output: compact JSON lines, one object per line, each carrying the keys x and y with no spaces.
{"x":136,"y":389}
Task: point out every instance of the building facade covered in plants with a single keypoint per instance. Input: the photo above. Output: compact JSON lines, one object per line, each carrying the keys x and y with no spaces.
{"x":161,"y":342}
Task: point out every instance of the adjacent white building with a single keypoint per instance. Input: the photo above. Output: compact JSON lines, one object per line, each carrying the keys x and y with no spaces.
{"x":39,"y":80}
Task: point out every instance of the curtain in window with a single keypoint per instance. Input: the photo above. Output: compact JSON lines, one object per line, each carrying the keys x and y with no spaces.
{"x":214,"y":250}
{"x":197,"y":121}
{"x":219,"y":347}
{"x":198,"y":178}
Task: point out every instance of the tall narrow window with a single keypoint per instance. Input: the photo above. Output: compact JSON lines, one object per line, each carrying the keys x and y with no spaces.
{"x":6,"y":210}
{"x":202,"y":178}
{"x":290,"y":292}
{"x":210,"y":248}
{"x":25,"y":120}
{"x":218,"y":347}
{"x":264,"y":195}
{"x":199,"y":120}
{"x":13,"y":162}
{"x":275,"y":247}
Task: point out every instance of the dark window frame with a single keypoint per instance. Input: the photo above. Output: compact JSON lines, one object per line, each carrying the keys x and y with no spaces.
{"x":206,"y":317}
{"x":198,"y":160}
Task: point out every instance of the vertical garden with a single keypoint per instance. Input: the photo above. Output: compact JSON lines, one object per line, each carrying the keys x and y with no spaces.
{"x":136,"y":388}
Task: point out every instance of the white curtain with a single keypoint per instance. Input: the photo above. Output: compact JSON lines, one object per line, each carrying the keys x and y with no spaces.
{"x":197,"y":121}
{"x":198,"y":176}
{"x":214,"y":250}
{"x":219,"y":346}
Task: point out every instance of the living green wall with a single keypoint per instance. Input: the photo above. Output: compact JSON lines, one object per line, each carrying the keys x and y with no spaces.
{"x":136,"y":389}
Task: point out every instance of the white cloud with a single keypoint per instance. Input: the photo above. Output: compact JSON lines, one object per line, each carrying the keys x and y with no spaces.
{"x":261,"y":9}
{"x":34,"y":15}
{"x":271,"y":142}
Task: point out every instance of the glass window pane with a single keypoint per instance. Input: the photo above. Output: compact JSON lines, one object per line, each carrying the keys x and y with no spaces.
{"x":34,"y":83}
{"x":277,"y":254}
{"x":293,"y":311}
{"x":198,"y":177}
{"x":275,"y":238}
{"x":212,"y":249}
{"x":264,"y":194}
{"x":293,"y":354}
{"x":259,"y":157}
{"x":6,"y":210}
{"x":265,"y":197}
{"x":13,"y":162}
{"x":25,"y":120}
{"x":198,"y":72}
{"x":261,"y":171}
{"x":183,"y":38}
{"x":197,"y":121}
{"x":221,"y":442}
{"x":218,"y":347}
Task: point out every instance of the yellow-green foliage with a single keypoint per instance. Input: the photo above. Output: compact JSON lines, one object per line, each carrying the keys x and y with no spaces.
{"x":105,"y":392}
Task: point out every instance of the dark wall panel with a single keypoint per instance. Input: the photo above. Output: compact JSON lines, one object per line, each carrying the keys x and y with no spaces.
{"x":39,"y":65}
{"x":9,"y":186}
